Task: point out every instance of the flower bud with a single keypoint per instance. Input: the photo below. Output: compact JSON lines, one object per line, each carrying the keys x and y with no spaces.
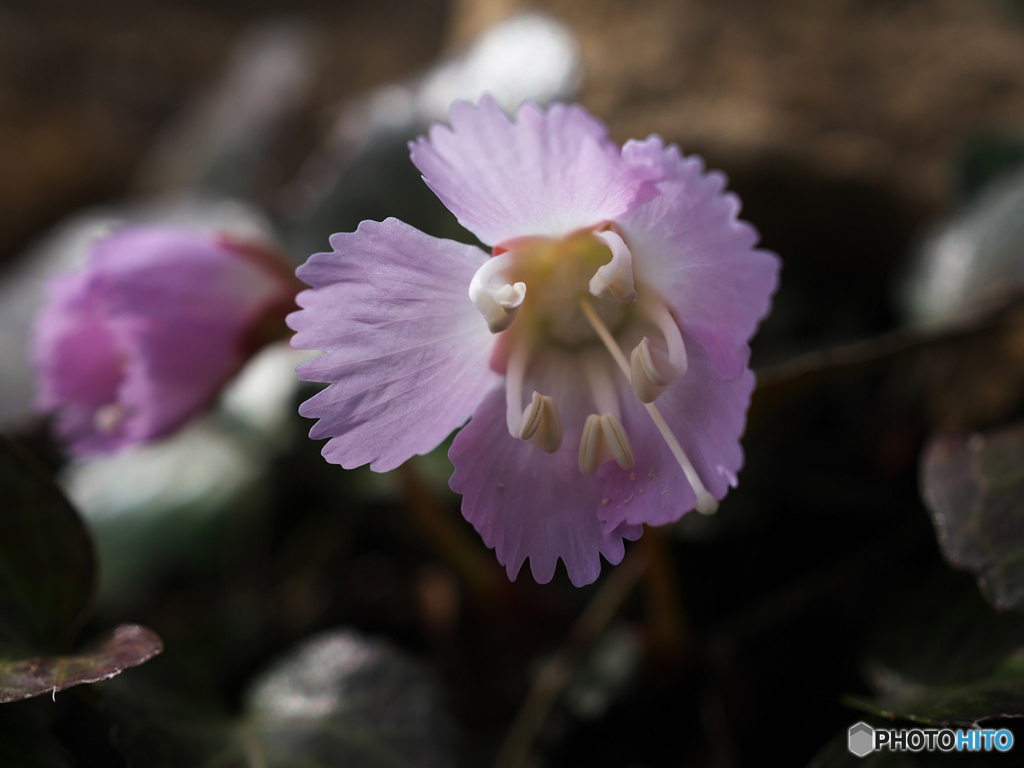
{"x":144,"y":337}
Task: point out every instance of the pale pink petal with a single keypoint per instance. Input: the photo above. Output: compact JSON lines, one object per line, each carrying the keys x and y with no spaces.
{"x":547,"y":173}
{"x":77,"y":360}
{"x":407,"y":352}
{"x":143,"y":338}
{"x":178,"y":304}
{"x":707,"y":414}
{"x":527,"y":503}
{"x":689,"y":245}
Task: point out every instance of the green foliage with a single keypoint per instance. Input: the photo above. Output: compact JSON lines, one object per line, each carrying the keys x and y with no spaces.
{"x":127,"y":646}
{"x":335,"y":700}
{"x":943,"y":656}
{"x":47,"y":582}
{"x":47,"y":568}
{"x":974,"y":488}
{"x":986,"y":158}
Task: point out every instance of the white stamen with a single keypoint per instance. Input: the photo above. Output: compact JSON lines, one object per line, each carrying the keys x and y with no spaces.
{"x":602,"y":386}
{"x":617,"y":275}
{"x":706,"y":503}
{"x":495,"y":298}
{"x":541,"y":424}
{"x":604,"y":438}
{"x":653,"y":372}
{"x":617,"y":440}
{"x":515,"y":373}
{"x":590,"y":445}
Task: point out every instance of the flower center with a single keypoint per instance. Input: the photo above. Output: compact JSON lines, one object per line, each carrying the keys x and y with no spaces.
{"x":572,"y":293}
{"x":556,"y":273}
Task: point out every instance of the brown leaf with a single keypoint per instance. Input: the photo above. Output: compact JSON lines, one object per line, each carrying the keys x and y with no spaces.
{"x":129,"y":645}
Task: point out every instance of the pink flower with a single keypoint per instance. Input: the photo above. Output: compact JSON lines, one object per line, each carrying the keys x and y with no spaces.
{"x":601,"y":351}
{"x":143,"y":338}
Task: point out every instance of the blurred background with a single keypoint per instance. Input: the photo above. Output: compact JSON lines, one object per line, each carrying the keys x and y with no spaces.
{"x":865,"y":568}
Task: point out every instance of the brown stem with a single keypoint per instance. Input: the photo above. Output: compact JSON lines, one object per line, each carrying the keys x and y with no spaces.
{"x":666,"y":618}
{"x":475,"y":566}
{"x":555,"y":674}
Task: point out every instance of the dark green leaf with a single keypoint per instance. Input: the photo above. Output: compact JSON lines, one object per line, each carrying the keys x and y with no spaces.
{"x":974,"y":488}
{"x":159,"y":721}
{"x":998,"y":695}
{"x":986,"y":158}
{"x":128,"y":646}
{"x":47,"y":569}
{"x":943,"y":655}
{"x":941,"y":631}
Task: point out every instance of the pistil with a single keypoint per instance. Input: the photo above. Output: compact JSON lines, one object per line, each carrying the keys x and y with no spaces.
{"x":706,"y":503}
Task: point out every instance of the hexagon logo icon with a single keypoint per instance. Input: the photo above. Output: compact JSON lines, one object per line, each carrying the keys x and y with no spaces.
{"x":861,"y":740}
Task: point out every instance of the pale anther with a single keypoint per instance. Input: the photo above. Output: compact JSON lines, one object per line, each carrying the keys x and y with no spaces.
{"x":706,"y":503}
{"x":494,"y":297}
{"x":604,"y":438}
{"x":590,"y":445}
{"x":109,"y":417}
{"x":618,"y":441}
{"x":652,"y":371}
{"x":617,"y":275}
{"x":541,"y":424}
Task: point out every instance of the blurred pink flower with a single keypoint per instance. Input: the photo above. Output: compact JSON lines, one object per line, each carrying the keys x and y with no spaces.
{"x":601,"y":351}
{"x":143,"y":338}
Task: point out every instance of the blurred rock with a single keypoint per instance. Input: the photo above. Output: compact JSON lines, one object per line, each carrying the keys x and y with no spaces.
{"x":340,"y":699}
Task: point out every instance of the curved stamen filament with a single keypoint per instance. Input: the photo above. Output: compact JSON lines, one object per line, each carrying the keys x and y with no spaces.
{"x":706,"y":503}
{"x":617,"y":275}
{"x":495,"y":298}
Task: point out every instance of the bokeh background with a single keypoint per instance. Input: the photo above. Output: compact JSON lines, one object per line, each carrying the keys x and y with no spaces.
{"x":877,"y":145}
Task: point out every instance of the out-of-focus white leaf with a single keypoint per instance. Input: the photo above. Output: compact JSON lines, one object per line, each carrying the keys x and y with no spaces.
{"x":976,"y":259}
